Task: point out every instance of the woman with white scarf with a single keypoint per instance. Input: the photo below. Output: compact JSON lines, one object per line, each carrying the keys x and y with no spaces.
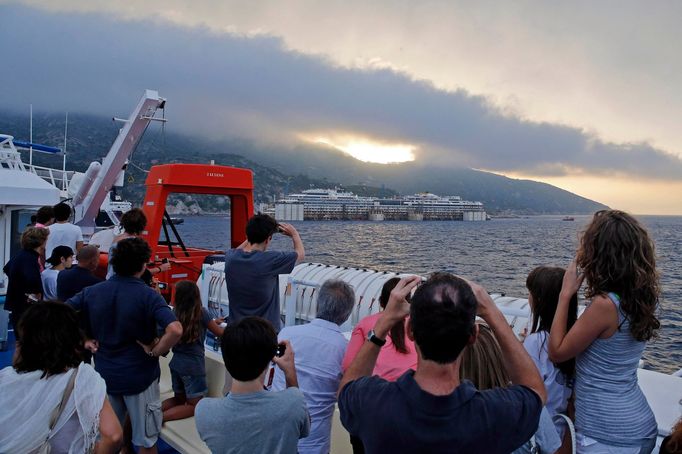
{"x":51,"y":401}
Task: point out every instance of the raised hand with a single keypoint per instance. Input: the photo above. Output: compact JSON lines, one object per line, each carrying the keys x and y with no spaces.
{"x":486,"y":306}
{"x":286,"y":361}
{"x":398,"y":307}
{"x":287,"y":229}
{"x":92,"y":345}
{"x":572,"y":280}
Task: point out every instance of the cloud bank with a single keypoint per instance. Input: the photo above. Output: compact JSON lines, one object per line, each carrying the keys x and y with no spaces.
{"x":225,"y":85}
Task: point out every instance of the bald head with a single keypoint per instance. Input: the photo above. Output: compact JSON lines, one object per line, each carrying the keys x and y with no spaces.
{"x":88,"y":257}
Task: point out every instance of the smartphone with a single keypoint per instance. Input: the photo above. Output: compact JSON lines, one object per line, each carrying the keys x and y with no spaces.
{"x":31,"y":298}
{"x":162,"y":285}
{"x":281,"y":348}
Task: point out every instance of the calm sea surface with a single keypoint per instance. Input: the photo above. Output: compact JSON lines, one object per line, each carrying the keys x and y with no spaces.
{"x":498,"y":254}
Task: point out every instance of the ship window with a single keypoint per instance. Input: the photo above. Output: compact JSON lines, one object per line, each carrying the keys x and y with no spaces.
{"x":20,"y":220}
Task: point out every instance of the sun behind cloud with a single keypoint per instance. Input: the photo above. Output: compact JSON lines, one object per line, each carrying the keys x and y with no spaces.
{"x":368,"y":150}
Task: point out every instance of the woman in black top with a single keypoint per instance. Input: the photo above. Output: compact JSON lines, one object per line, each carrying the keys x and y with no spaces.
{"x":23,"y":273}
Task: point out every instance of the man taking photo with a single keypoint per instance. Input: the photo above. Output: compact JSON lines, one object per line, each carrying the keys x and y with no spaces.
{"x":431,"y":409}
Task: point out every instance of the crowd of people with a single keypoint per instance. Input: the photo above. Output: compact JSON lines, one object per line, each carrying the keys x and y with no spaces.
{"x":438,"y":369}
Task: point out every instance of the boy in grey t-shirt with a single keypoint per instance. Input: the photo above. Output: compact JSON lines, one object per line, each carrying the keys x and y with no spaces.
{"x":251,"y":419}
{"x":252,"y":271}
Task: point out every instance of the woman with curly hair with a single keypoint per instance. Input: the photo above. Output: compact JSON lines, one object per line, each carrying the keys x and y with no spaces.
{"x":51,"y":400}
{"x":23,"y":272}
{"x":618,"y":263}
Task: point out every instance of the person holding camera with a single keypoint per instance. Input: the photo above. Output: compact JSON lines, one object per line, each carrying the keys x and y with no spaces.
{"x":320,"y":346}
{"x":252,"y":271}
{"x":432,"y":409}
{"x":251,"y":419}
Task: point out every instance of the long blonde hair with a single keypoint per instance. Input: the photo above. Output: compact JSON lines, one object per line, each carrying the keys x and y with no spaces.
{"x":482,"y":362}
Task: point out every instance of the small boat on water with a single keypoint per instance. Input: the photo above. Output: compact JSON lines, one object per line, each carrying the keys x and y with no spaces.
{"x":568,"y":218}
{"x":176,"y":220}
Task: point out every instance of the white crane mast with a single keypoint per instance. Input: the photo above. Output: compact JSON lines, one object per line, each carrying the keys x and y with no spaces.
{"x":128,"y":137}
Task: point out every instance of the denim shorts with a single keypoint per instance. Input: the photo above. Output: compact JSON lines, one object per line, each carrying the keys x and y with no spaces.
{"x":192,"y":386}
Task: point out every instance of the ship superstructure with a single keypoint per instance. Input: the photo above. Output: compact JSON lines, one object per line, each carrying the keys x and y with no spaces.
{"x":332,"y":204}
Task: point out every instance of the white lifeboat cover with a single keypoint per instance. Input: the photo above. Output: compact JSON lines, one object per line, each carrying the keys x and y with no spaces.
{"x":25,"y":188}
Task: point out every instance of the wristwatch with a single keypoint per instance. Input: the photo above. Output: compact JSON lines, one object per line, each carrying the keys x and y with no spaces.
{"x":373,"y":338}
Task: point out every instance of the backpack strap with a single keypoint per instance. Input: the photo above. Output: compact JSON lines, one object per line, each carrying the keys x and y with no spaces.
{"x":65,"y":398}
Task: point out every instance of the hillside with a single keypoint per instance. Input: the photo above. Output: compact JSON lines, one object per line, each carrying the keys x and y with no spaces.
{"x":281,"y":170}
{"x":90,"y":138}
{"x":497,"y":192}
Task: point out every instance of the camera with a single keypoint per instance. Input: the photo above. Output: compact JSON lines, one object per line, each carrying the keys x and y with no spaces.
{"x":281,"y":348}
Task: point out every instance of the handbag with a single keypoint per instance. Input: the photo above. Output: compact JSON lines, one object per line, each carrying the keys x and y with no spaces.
{"x":45,"y":448}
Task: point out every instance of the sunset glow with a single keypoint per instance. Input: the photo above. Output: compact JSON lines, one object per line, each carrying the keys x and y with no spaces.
{"x":371,"y":151}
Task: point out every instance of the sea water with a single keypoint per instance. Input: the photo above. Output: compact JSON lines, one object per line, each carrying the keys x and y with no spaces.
{"x":498,"y":254}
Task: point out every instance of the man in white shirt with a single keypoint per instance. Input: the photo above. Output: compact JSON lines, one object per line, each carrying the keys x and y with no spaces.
{"x":62,"y":232}
{"x":319,"y":347}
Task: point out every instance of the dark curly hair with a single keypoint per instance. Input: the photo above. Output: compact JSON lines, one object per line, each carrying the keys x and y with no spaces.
{"x":130,"y":255}
{"x":544,"y":285}
{"x":248,"y":347}
{"x":617,"y":255}
{"x":62,"y":212}
{"x":48,"y":339}
{"x":45,"y":214}
{"x":260,"y":227}
{"x":134,"y":221}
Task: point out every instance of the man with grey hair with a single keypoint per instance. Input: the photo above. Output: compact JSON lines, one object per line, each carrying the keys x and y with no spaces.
{"x":319,"y":347}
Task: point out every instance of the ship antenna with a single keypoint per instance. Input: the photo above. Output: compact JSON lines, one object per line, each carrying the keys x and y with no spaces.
{"x":30,"y":136}
{"x":66,"y":131}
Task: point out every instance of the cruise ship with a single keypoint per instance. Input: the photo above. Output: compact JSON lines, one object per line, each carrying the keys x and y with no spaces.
{"x":332,"y":204}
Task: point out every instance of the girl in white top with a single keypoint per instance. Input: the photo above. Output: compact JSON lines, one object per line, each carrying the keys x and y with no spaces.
{"x":544,"y":286}
{"x":48,"y":378}
{"x":61,"y":258}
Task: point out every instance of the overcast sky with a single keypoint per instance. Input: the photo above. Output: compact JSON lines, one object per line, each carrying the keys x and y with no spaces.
{"x":582,"y":95}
